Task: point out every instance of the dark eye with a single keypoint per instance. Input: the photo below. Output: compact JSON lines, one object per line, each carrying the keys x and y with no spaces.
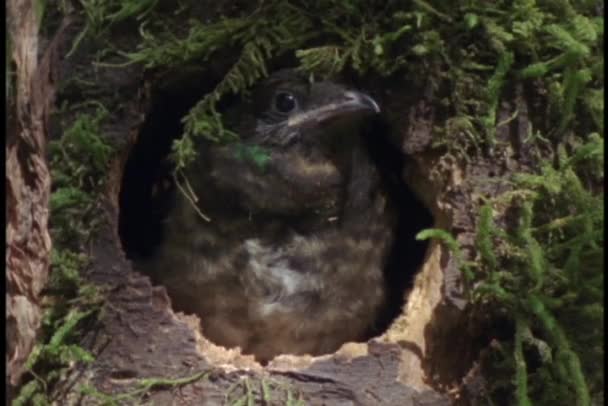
{"x":285,"y":102}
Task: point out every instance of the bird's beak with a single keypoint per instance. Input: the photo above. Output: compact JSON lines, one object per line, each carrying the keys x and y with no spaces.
{"x":350,"y":105}
{"x":360,"y":102}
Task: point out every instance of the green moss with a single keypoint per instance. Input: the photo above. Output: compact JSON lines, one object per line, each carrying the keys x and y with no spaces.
{"x":452,"y":245}
{"x":552,"y":265}
{"x":520,"y":364}
{"x":425,"y":41}
{"x":143,"y":387}
{"x":100,"y":16}
{"x":78,"y":161}
{"x":495,"y":85}
{"x":484,"y":237}
{"x":74,"y":305}
{"x":253,"y":153}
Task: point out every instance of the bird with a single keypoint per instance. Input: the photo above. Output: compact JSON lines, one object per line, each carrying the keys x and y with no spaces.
{"x":284,"y":248}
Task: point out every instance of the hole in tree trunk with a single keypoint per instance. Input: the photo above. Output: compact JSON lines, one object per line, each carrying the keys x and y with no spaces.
{"x":148,"y":193}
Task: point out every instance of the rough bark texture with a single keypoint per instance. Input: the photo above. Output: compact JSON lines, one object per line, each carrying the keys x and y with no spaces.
{"x":27,"y":186}
{"x":421,"y":360}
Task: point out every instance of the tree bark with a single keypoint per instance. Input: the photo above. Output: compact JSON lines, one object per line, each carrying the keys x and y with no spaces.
{"x":27,"y":187}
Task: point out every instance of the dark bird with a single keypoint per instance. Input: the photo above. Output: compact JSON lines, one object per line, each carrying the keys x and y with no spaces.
{"x":300,"y":226}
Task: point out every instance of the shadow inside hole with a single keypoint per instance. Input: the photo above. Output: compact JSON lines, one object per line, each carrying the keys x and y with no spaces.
{"x":147,"y":188}
{"x":407,"y":254}
{"x":147,"y":192}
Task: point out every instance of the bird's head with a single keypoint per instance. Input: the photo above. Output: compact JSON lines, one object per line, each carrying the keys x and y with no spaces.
{"x":298,"y":144}
{"x":289,"y":110}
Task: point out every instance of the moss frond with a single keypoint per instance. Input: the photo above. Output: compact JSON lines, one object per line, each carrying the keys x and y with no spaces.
{"x":484,"y":237}
{"x":550,"y":275}
{"x":452,"y":245}
{"x":79,"y":160}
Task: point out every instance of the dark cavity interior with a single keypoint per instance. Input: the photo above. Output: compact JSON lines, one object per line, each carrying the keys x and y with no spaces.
{"x":147,"y":190}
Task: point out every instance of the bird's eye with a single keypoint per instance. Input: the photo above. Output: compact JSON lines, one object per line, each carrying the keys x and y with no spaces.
{"x":285,"y":102}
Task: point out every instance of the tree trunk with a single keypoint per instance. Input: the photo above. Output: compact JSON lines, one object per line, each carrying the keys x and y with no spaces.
{"x":27,"y":185}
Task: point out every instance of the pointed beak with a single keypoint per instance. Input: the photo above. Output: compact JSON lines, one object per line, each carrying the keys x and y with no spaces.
{"x":361,"y":102}
{"x":351,"y":105}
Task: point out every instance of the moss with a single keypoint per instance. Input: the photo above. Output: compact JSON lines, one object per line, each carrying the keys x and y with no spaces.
{"x":456,"y":47}
{"x":72,"y":304}
{"x":452,"y":245}
{"x":253,"y":153}
{"x":495,"y":85}
{"x":520,"y":362}
{"x":143,"y":387}
{"x":79,"y":161}
{"x":552,"y":263}
{"x":245,"y":391}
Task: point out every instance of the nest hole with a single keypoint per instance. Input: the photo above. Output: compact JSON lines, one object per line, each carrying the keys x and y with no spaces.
{"x":147,"y":190}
